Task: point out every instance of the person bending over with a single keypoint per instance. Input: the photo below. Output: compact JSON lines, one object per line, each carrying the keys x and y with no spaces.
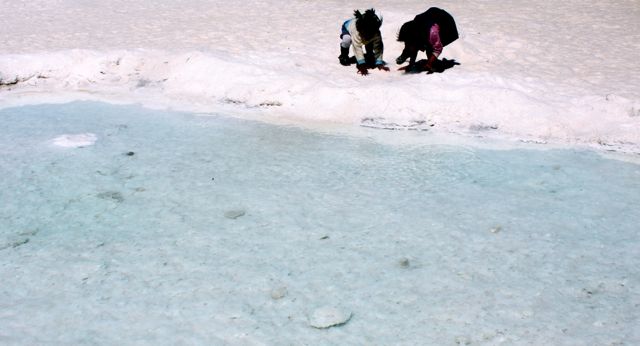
{"x":430,"y":32}
{"x":363,"y":31}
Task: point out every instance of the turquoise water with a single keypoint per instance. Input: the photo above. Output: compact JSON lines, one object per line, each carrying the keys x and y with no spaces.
{"x":137,"y":232}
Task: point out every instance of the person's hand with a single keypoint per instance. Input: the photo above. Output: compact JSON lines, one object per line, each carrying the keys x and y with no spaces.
{"x":383,"y":68}
{"x":362,"y":69}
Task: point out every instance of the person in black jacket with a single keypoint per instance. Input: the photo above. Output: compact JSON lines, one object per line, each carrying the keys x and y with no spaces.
{"x":430,"y":32}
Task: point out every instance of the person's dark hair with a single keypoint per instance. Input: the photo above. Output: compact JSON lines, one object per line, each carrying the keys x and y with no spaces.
{"x":408,"y":32}
{"x":367,"y":24}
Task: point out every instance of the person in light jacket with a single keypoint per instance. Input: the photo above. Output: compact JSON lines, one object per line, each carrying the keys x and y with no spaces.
{"x":363,"y":31}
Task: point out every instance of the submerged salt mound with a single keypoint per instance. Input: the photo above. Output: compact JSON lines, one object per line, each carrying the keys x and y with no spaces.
{"x":329,"y":316}
{"x":75,"y":140}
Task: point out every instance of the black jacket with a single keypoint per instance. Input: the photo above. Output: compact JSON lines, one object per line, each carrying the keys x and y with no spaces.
{"x":434,"y":15}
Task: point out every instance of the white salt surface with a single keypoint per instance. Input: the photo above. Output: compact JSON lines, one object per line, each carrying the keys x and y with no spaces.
{"x":182,"y":230}
{"x":544,"y":72}
{"x":129,"y":241}
{"x":75,"y":140}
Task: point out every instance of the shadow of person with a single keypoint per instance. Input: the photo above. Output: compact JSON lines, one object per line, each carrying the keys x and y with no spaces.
{"x":439,"y":66}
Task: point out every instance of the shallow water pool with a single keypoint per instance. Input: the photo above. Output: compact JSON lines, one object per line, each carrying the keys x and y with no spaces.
{"x":170,"y":228}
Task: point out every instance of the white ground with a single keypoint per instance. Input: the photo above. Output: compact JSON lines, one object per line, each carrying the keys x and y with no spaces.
{"x":545,"y":72}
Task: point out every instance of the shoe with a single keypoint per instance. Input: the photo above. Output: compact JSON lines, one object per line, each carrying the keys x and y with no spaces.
{"x":344,"y":56}
{"x":401,"y":59}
